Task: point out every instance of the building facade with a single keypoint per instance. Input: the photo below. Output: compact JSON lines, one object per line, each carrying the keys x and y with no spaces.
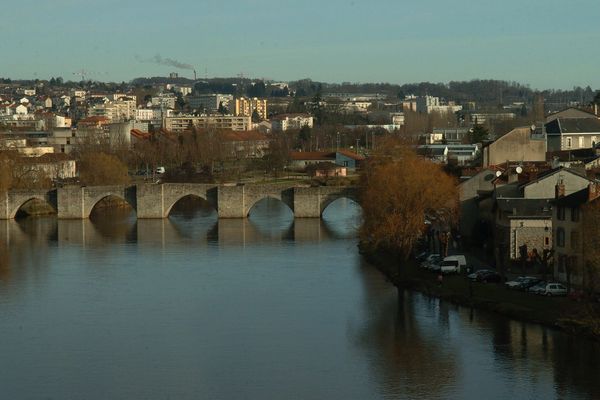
{"x":184,"y":123}
{"x":245,"y":107}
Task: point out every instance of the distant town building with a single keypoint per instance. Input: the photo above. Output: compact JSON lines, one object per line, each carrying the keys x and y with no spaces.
{"x":164,"y":100}
{"x":210,"y":102}
{"x":430,"y":104}
{"x":283,"y":122}
{"x":186,"y":122}
{"x":245,"y":107}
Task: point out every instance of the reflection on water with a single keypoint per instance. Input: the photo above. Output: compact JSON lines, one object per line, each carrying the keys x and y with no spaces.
{"x":268,"y":307}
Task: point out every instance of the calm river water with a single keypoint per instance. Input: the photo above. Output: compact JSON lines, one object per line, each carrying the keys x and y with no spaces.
{"x":268,"y":308}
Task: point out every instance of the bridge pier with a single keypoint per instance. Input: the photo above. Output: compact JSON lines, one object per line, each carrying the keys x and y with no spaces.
{"x":307,"y":202}
{"x":231,"y":202}
{"x":150,"y":201}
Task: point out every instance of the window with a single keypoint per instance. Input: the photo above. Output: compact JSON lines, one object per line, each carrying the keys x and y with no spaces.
{"x":574,"y":240}
{"x":575,"y":214}
{"x":560,"y":237}
{"x":560,"y":213}
{"x":569,"y":142}
{"x":581,"y":139}
{"x":546,"y":241}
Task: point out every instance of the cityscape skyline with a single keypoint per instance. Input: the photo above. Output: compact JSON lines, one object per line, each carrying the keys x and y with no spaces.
{"x":542,"y":44}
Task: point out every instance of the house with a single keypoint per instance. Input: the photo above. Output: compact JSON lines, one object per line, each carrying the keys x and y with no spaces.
{"x":247,"y":144}
{"x":579,"y":158}
{"x":470,"y":191}
{"x":522,"y":222}
{"x":460,"y":154}
{"x":437,"y":153}
{"x":522,"y":208}
{"x":543,"y":185}
{"x":572,"y":133}
{"x":572,"y":264}
{"x":326,"y":170}
{"x":521,"y":144}
{"x":302,"y":159}
{"x":283,"y":122}
{"x":570,"y":113}
{"x":348,"y":159}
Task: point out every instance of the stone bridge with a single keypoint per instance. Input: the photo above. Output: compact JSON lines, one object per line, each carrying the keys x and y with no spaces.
{"x":156,"y":201}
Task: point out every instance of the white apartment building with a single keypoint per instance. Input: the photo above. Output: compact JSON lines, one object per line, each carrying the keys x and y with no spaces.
{"x":283,"y":122}
{"x":209,"y":102}
{"x":183,"y":123}
{"x":164,"y":100}
{"x":430,"y":104}
{"x":122,"y":110}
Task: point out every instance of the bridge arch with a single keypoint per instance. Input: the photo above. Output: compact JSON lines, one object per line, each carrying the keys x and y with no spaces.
{"x":19,"y":203}
{"x":251,"y":205}
{"x":178,"y":199}
{"x":330,"y":198}
{"x":92,"y":204}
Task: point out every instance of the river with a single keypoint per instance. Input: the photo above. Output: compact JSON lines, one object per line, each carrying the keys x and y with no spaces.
{"x":192,"y":307}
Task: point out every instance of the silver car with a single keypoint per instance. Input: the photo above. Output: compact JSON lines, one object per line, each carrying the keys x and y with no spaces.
{"x":555,"y":289}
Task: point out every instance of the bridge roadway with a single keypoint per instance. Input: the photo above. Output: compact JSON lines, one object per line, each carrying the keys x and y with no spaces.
{"x":156,"y":200}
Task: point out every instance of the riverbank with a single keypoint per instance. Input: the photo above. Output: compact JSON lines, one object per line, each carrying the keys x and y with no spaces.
{"x":571,"y":316}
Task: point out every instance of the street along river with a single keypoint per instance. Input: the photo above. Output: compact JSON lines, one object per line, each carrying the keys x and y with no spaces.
{"x":193,"y":307}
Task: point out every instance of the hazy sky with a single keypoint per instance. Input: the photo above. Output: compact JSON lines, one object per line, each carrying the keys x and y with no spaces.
{"x":546,"y":43}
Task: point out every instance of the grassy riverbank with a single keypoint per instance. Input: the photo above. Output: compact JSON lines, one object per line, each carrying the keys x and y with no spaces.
{"x":560,"y":312}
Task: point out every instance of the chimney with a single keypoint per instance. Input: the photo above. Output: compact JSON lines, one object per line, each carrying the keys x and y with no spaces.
{"x":593,"y":191}
{"x":559,"y":190}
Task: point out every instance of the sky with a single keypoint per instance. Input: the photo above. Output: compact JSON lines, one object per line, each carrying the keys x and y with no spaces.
{"x":543,"y":43}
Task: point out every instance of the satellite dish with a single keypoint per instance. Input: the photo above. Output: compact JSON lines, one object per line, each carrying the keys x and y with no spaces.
{"x":533,"y":127}
{"x":498,"y":173}
{"x":519,"y":170}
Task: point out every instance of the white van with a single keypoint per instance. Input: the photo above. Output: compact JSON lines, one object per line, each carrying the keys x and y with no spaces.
{"x":454,"y":264}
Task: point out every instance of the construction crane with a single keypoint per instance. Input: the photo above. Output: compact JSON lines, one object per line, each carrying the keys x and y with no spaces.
{"x":82,"y":72}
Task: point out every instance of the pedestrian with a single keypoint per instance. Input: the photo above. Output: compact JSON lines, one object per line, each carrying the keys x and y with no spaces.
{"x":440,"y":279}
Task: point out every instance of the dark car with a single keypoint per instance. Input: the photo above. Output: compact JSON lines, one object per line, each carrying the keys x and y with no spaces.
{"x":527,"y":283}
{"x":484,"y":275}
{"x":489,"y":276}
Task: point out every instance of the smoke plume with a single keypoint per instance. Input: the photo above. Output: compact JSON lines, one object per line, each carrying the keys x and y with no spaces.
{"x":169,"y":62}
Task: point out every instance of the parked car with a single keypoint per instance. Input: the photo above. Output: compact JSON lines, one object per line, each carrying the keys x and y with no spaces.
{"x":555,"y":289}
{"x":432,"y":258}
{"x":459,"y":260}
{"x":435,"y":266}
{"x":421,"y":256}
{"x":538,"y":288}
{"x":160,"y":170}
{"x":473,"y":276}
{"x":487,"y":275}
{"x":522,"y":282}
{"x":449,"y":266}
